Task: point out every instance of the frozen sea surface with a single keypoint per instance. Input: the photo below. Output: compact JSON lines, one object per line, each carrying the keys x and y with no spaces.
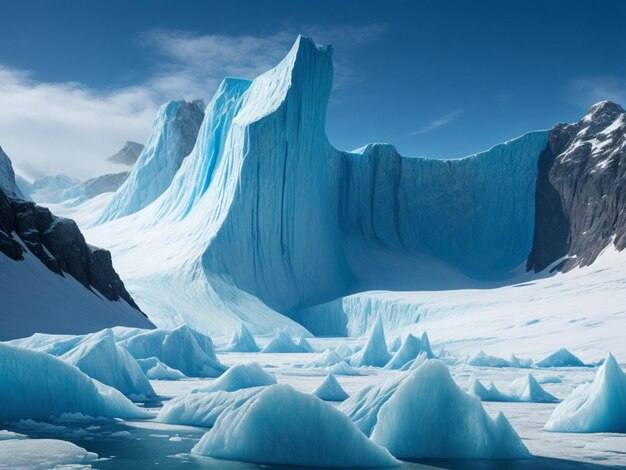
{"x":149,"y":444}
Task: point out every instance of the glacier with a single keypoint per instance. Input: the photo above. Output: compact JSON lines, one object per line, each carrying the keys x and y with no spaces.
{"x":599,"y":406}
{"x":173,"y":135}
{"x":317,"y":434}
{"x":232,"y":232}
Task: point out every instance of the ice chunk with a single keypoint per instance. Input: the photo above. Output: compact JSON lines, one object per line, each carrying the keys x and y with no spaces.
{"x":395,"y":344}
{"x":429,"y":416}
{"x":561,"y":358}
{"x":520,"y":363}
{"x":304,"y":344}
{"x":527,"y":389}
{"x":156,"y":370}
{"x":282,"y":343}
{"x":549,"y":379}
{"x":178,"y":349}
{"x":330,"y":390}
{"x":490,"y":393}
{"x":341,"y":368}
{"x":7,"y":435}
{"x":43,"y":454}
{"x":241,"y":376}
{"x":484,"y":360}
{"x":375,"y":351}
{"x":310,"y":432}
{"x":103,"y":360}
{"x":599,"y":406}
{"x":329,"y":358}
{"x":410,"y":349}
{"x":203,"y":408}
{"x":242,"y":340}
{"x":37,"y":385}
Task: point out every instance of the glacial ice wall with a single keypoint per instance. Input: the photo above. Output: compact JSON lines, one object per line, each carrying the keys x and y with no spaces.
{"x":265,"y":208}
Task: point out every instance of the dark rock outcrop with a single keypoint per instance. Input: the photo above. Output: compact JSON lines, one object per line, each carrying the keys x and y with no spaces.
{"x":59,"y":244}
{"x":581,"y":191}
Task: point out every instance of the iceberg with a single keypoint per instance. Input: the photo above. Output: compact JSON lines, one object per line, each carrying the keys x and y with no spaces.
{"x":304,"y":344}
{"x":37,"y":385}
{"x":520,"y":363}
{"x":490,"y":393}
{"x":156,"y":370}
{"x":241,"y":376}
{"x":484,"y":360}
{"x":561,"y":358}
{"x":429,"y":416}
{"x":203,"y":408}
{"x":242,"y":340}
{"x":410,"y":349}
{"x":527,"y":389}
{"x":375,"y":351}
{"x":282,"y":343}
{"x":44,"y":454}
{"x":341,"y":368}
{"x":312,"y":433}
{"x":103,"y":360}
{"x":330,"y":390}
{"x":178,"y":349}
{"x":599,"y":406}
{"x":330,"y":357}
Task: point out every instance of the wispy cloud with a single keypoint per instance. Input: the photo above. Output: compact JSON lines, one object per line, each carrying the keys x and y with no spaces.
{"x":68,"y":127}
{"x":442,"y":121}
{"x":590,"y":90}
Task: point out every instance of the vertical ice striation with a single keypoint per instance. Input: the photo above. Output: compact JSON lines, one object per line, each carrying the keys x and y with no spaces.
{"x":173,"y":134}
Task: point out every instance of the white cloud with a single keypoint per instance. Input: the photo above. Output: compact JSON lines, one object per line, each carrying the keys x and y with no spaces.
{"x":442,"y":121}
{"x":590,"y":90}
{"x":49,"y":128}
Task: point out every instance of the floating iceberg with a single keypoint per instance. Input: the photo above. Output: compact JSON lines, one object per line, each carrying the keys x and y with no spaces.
{"x":36,"y":385}
{"x":44,"y":454}
{"x":282,"y":343}
{"x":156,"y":370}
{"x":242,"y":340}
{"x":330,"y":357}
{"x":484,"y":360}
{"x":178,"y":349}
{"x":599,"y":406}
{"x":103,"y":360}
{"x":527,"y":389}
{"x":561,"y":358}
{"x":410,"y":349}
{"x":341,"y":368}
{"x":375,"y":351}
{"x":429,"y":416}
{"x":203,"y":408}
{"x":330,"y":390}
{"x":310,"y":432}
{"x":241,"y":376}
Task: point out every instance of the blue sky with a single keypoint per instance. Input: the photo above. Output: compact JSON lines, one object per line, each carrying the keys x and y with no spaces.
{"x":435,"y":78}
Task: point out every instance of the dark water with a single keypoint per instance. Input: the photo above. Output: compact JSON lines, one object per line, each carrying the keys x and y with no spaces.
{"x":141,"y":448}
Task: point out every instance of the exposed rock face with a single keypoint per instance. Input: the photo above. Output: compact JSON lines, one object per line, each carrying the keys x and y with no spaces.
{"x":128,"y":154}
{"x":7,"y":177}
{"x":59,"y":244}
{"x":581,"y":190}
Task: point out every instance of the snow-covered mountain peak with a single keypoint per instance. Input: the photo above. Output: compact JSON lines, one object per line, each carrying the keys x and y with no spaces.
{"x":7,"y":177}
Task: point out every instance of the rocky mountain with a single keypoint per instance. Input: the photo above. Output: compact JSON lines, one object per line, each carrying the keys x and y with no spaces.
{"x":94,"y":186}
{"x":580,"y":200}
{"x":51,"y":280}
{"x":7,"y":177}
{"x":128,"y":154}
{"x":49,"y":188}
